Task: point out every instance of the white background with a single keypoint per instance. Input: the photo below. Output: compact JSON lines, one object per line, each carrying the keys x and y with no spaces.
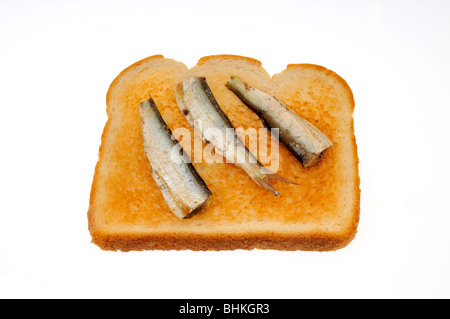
{"x":57,"y":60}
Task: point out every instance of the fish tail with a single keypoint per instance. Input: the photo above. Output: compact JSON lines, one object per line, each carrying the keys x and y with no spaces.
{"x":271,"y":175}
{"x":264,"y":182}
{"x":277,"y":177}
{"x":267,"y":176}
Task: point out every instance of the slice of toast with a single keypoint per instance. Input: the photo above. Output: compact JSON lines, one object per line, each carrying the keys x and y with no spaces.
{"x":127,"y":210}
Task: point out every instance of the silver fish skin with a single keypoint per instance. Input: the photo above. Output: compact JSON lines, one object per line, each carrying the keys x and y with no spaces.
{"x":197,"y":103}
{"x":182,"y":188}
{"x":305,"y":141}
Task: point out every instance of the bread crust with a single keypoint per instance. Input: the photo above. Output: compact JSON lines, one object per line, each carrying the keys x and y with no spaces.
{"x":204,"y":59}
{"x":313,"y":242}
{"x":108,"y":239}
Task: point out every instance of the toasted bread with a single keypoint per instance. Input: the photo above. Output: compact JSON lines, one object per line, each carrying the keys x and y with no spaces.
{"x":321,"y":212}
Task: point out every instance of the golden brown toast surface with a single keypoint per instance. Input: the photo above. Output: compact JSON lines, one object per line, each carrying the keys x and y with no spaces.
{"x":127,"y":210}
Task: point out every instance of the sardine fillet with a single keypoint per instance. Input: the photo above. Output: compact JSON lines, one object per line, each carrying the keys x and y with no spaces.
{"x":128,"y":212}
